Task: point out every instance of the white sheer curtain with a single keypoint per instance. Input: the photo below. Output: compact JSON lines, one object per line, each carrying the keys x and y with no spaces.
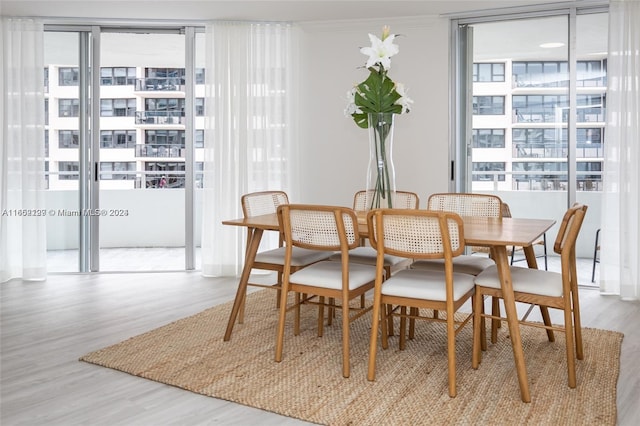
{"x":23,"y":249}
{"x":620,"y":248}
{"x":250,"y":130}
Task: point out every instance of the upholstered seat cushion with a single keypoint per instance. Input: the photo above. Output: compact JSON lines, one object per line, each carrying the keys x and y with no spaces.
{"x":426,"y":284}
{"x":299,"y":256}
{"x":465,"y":264}
{"x":526,"y":280}
{"x":328,"y":274}
{"x":369,"y":255}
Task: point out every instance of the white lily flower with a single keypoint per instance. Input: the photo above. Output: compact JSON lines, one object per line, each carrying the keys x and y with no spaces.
{"x":352,"y":108}
{"x":380,"y":51}
{"x":404,"y":100}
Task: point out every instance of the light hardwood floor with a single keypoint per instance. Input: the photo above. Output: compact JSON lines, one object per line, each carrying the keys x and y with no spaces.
{"x":47,"y":326}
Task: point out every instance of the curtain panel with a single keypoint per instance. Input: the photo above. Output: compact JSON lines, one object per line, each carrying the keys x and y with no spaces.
{"x":620,"y":235}
{"x":23,"y":245}
{"x":250,"y":130}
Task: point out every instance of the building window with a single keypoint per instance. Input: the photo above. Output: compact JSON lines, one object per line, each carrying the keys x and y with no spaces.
{"x":540,"y":74}
{"x":117,"y":138}
{"x":498,"y":167}
{"x":199,"y":142}
{"x":591,"y":108}
{"x":590,"y":143}
{"x":491,"y":72}
{"x":198,"y":172}
{"x":540,"y":108}
{"x":164,"y":137}
{"x":164,"y":78}
{"x":117,"y":107}
{"x":200,"y":76}
{"x":488,"y":138}
{"x":165,"y":107}
{"x":117,"y":170}
{"x":591,"y":73}
{"x":68,"y":138}
{"x":199,"y":107}
{"x":68,"y":76}
{"x":68,"y":170}
{"x":117,"y":76}
{"x":488,"y":105}
{"x":539,"y":143}
{"x":68,"y":108}
{"x":540,"y":175}
{"x":173,"y":173}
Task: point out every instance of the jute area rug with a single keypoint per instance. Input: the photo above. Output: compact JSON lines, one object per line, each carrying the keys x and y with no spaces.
{"x":410,"y":386}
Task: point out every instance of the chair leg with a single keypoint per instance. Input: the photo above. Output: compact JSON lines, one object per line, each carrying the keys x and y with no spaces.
{"x":321,"y":316}
{"x":577,"y":323}
{"x":495,"y":323}
{"x":451,"y":353}
{"x":386,"y":310}
{"x":281,"y":323}
{"x":296,"y":328}
{"x":241,"y":310}
{"x":595,"y":254}
{"x":478,"y":322}
{"x":544,"y":311}
{"x":345,"y":337}
{"x":403,"y":325}
{"x":571,"y":361}
{"x":544,"y":241}
{"x":332,"y":311}
{"x":412,"y":323}
{"x":390,"y":327}
{"x":278,"y":291}
{"x":379,"y":311}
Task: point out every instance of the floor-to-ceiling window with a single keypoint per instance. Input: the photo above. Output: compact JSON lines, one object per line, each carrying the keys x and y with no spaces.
{"x":141,"y":142}
{"x":534,"y":125}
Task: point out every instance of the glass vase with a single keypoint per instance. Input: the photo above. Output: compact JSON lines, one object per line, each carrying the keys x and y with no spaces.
{"x":381,"y":176}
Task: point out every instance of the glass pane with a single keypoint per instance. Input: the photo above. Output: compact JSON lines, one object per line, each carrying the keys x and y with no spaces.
{"x":527,"y":169}
{"x":591,"y":52}
{"x":534,"y":180}
{"x":141,"y":186}
{"x":61,"y":92}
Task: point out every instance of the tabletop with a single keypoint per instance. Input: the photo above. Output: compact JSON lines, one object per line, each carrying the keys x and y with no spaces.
{"x":478,"y":231}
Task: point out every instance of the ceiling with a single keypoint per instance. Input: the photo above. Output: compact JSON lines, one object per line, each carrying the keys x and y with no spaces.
{"x":282,"y":10}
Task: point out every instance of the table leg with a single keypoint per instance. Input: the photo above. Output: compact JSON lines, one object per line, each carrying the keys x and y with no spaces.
{"x":499,"y":254}
{"x":252,"y":249}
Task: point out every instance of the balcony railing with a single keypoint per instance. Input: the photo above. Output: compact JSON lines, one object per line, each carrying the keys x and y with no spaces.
{"x":532,"y":180}
{"x":159,"y":84}
{"x":159,"y":117}
{"x":553,"y":150}
{"x":160,"y":150}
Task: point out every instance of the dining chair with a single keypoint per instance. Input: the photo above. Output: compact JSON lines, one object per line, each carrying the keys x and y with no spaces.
{"x":329,"y":229}
{"x":366,"y":254}
{"x":464,"y":204}
{"x":418,"y":234}
{"x":506,"y":212}
{"x":542,"y":288}
{"x":267,"y":202}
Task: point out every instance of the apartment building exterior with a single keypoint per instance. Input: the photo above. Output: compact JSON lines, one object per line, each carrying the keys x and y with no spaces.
{"x":142,"y":127}
{"x":520,"y":114}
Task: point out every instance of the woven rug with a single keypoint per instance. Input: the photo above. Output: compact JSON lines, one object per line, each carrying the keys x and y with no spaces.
{"x":410,"y":386}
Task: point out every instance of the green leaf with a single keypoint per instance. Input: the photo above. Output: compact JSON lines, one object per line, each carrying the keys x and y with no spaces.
{"x":377,"y":94}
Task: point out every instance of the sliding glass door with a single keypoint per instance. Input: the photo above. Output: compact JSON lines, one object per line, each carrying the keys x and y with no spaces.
{"x":123,"y":130}
{"x":536,"y":124}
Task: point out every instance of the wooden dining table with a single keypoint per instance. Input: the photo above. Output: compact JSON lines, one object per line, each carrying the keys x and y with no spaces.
{"x":496,"y":233}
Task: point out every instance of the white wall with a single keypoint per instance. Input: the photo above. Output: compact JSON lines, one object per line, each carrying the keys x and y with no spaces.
{"x":333,"y":150}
